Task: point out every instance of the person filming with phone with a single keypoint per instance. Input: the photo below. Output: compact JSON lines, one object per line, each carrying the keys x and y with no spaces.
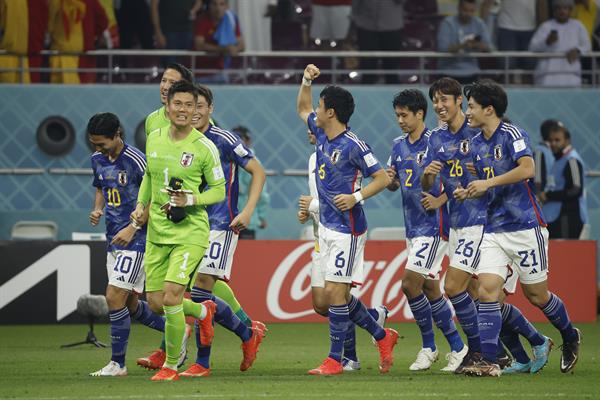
{"x":562,"y":34}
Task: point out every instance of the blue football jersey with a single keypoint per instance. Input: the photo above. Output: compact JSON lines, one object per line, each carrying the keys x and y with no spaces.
{"x":233,"y":154}
{"x":511,"y":207}
{"x":341,"y":165}
{"x":453,"y":150}
{"x":120,"y":182}
{"x":408,"y":159}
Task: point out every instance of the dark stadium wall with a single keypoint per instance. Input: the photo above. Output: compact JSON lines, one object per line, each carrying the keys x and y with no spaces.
{"x":279,"y":141}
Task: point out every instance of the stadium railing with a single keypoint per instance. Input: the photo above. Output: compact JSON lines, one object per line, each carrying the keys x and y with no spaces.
{"x":415,"y":67}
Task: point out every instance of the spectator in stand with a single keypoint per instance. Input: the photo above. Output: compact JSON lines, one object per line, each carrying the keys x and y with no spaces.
{"x":586,"y":11}
{"x":112,"y":39}
{"x":23,"y":25}
{"x":218,"y":31}
{"x":255,"y":16}
{"x":517,"y":21}
{"x":259,"y":218}
{"x":543,"y":157}
{"x":173,"y":23}
{"x":330,"y":21}
{"x":461,"y":34}
{"x":75,"y":26}
{"x":565,"y":206}
{"x":379,"y":28}
{"x":561,"y":34}
{"x":135,"y":24}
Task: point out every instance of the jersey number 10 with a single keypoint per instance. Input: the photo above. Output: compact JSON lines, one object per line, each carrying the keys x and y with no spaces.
{"x":113,"y":197}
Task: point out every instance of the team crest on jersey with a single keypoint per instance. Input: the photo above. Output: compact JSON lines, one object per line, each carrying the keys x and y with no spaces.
{"x":122,"y":178}
{"x":498,"y":152}
{"x":335,"y":156}
{"x":186,"y":159}
{"x":464,"y":146}
{"x":419,"y":158}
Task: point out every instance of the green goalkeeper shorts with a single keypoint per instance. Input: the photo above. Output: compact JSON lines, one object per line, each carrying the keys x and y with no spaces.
{"x":175,"y":263}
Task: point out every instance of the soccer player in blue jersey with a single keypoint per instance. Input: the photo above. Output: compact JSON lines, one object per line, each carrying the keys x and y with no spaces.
{"x":118,"y":171}
{"x":309,"y":209}
{"x":225,"y":223}
{"x":342,"y":160}
{"x":515,"y":233}
{"x":448,"y":152}
{"x":426,"y":221}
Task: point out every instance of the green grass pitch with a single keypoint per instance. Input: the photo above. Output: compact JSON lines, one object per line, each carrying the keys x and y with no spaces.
{"x":34,"y":367}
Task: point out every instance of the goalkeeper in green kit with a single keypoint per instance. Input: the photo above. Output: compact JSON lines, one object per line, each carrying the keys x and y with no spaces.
{"x":181,"y":161}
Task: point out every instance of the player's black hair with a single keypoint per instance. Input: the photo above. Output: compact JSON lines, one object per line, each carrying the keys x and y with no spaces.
{"x":242,"y":131}
{"x":104,"y":124}
{"x":486,"y":92}
{"x":205,"y":92}
{"x":340,"y":100}
{"x":467,"y":1}
{"x":413,"y":99}
{"x":182,"y":87}
{"x":445,"y":85}
{"x":186,"y":73}
{"x":548,"y":126}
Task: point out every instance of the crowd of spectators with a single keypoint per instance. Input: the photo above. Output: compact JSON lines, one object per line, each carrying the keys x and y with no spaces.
{"x":224,"y":28}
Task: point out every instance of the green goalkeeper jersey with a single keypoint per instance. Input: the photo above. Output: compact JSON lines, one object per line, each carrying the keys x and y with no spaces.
{"x":157,"y":119}
{"x":195,"y":160}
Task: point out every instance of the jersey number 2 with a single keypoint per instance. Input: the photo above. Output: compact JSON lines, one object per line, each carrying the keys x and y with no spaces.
{"x":407,"y":182}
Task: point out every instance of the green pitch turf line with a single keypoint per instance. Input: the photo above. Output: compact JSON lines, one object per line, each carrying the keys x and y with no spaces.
{"x":34,"y":367}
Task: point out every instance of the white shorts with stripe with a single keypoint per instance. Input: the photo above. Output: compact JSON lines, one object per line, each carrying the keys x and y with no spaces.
{"x":526,"y":252}
{"x":464,"y":247}
{"x":341,"y":255}
{"x":317,"y":273}
{"x":125,"y":270}
{"x":218,"y":258}
{"x":425,"y":255}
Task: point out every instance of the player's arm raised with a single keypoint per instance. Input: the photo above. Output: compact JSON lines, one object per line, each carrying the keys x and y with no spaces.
{"x":256,"y":170}
{"x":304,"y":101}
{"x":524,"y":170}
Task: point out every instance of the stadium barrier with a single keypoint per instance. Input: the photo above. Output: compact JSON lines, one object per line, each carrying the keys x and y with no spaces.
{"x":271,"y":279}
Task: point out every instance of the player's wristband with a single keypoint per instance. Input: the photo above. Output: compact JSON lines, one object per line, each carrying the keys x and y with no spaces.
{"x":358,"y":196}
{"x":189,"y":200}
{"x":306,"y":82}
{"x":135,"y":225}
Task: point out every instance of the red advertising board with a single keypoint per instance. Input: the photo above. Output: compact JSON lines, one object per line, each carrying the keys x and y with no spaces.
{"x":271,"y":279}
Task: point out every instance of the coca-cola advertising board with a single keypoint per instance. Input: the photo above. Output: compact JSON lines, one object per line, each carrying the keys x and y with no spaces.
{"x":272,"y":280}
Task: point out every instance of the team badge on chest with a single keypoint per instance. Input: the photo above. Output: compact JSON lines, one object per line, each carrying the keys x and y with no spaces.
{"x":419,"y":158}
{"x":186,"y":159}
{"x":498,"y":152}
{"x":335,"y":156}
{"x":464,"y":146}
{"x":122,"y":178}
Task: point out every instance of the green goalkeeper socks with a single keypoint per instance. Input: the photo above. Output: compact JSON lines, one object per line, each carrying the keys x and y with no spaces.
{"x":223,"y":291}
{"x":192,"y":309}
{"x":174,"y":331}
